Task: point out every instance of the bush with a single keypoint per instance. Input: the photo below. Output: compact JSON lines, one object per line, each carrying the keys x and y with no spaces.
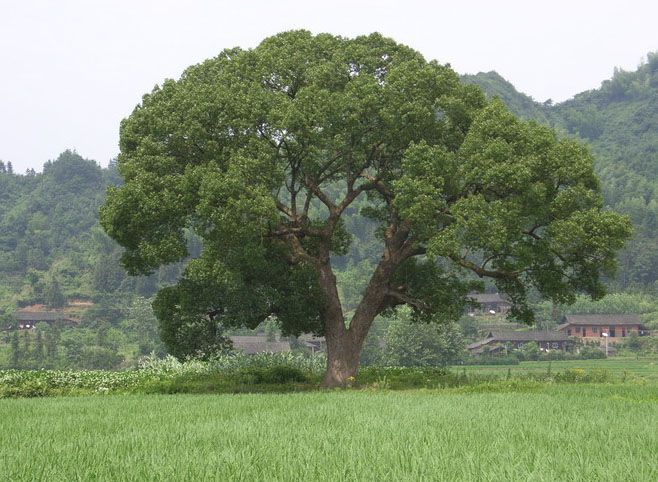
{"x":578,"y":375}
{"x":230,"y":362}
{"x":276,"y":375}
{"x":100,"y":358}
{"x":528,"y":352}
{"x":555,"y":355}
{"x":410,"y":343}
{"x":591,"y":353}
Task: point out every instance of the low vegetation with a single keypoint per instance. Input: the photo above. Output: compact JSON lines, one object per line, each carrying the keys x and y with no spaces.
{"x":288,"y":372}
{"x":506,"y":431}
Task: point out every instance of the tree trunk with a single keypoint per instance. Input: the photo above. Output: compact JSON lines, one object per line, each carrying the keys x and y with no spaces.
{"x":342,"y":357}
{"x":344,"y":345}
{"x":342,"y":361}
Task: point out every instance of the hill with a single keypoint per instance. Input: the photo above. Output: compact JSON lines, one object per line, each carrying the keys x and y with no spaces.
{"x":494,"y":85}
{"x":51,"y":246}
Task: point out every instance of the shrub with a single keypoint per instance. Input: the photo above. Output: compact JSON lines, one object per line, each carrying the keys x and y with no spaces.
{"x":410,"y":343}
{"x":591,"y":353}
{"x":579,"y":375}
{"x":230,"y":362}
{"x":276,"y":375}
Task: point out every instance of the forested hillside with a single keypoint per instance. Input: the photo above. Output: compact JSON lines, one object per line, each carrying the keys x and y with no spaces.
{"x":620,"y":122}
{"x":54,"y":253}
{"x":51,"y":246}
{"x":49,"y":235}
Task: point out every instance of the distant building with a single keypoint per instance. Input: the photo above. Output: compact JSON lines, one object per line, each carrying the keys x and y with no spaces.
{"x":592,"y":327}
{"x":490,"y":304}
{"x":312,"y":342}
{"x":27,"y":319}
{"x":251,"y":345}
{"x":502,"y":341}
{"x":484,"y":328}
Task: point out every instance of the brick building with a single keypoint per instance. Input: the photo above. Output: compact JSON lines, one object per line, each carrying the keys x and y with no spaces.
{"x":592,"y":327}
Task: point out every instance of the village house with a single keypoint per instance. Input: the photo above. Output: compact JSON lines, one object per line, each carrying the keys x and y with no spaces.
{"x":313,"y":343}
{"x":504,"y":341}
{"x":484,"y":328}
{"x":593,"y":327}
{"x":26,"y":319}
{"x":489,"y":304}
{"x":251,"y":345}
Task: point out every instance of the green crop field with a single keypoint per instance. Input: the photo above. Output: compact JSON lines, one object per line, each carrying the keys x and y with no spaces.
{"x":618,"y":367}
{"x":491,"y":432}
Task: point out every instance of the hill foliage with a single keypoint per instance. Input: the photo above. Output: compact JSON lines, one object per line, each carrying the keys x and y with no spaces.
{"x":619,"y":120}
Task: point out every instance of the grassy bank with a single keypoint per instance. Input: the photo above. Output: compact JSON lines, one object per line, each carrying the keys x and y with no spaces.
{"x":290,"y":373}
{"x":549,"y":432}
{"x":619,"y":368}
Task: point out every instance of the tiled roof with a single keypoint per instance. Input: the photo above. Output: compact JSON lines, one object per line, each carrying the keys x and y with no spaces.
{"x":507,"y":326}
{"x":504,"y":336}
{"x":251,"y":345}
{"x":40,"y":316}
{"x":488,"y":298}
{"x":600,"y":320}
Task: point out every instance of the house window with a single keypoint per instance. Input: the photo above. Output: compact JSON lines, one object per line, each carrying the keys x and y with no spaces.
{"x":595,"y":329}
{"x":569,"y":332}
{"x":612,"y":332}
{"x":578,"y":329}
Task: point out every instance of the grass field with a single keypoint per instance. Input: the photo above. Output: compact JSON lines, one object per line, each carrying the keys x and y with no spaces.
{"x":618,"y":367}
{"x":538,"y":432}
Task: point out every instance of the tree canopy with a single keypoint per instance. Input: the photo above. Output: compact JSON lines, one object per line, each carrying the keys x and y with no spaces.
{"x":260,"y":153}
{"x":618,"y":120}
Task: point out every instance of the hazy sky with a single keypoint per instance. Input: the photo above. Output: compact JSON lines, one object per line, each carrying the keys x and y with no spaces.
{"x":71,"y":70}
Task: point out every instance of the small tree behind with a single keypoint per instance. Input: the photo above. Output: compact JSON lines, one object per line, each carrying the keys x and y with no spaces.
{"x":15,"y":349}
{"x":52,"y":294}
{"x":421,"y":344}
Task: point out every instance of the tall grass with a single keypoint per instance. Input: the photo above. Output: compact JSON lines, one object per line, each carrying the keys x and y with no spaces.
{"x":229,"y":362}
{"x":549,"y":432}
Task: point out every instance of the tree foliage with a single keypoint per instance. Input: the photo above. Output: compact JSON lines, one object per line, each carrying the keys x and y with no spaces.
{"x":260,"y":153}
{"x":619,"y":120}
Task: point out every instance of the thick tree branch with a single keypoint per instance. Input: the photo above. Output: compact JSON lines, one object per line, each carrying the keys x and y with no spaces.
{"x":411,"y":248}
{"x":402,"y":298}
{"x":315,"y":189}
{"x":482,"y":272}
{"x":300,"y":232}
{"x":534,"y":235}
{"x":297,"y":252}
{"x":379,"y":186}
{"x":285,"y":210}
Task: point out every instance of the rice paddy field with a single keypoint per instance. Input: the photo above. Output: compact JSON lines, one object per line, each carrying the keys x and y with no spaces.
{"x":618,"y":367}
{"x":495,"y":432}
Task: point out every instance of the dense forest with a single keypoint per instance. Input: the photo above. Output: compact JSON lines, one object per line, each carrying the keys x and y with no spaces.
{"x":53,"y":252}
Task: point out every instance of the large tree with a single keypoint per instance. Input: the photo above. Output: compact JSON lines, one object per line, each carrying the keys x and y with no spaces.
{"x":261,"y":153}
